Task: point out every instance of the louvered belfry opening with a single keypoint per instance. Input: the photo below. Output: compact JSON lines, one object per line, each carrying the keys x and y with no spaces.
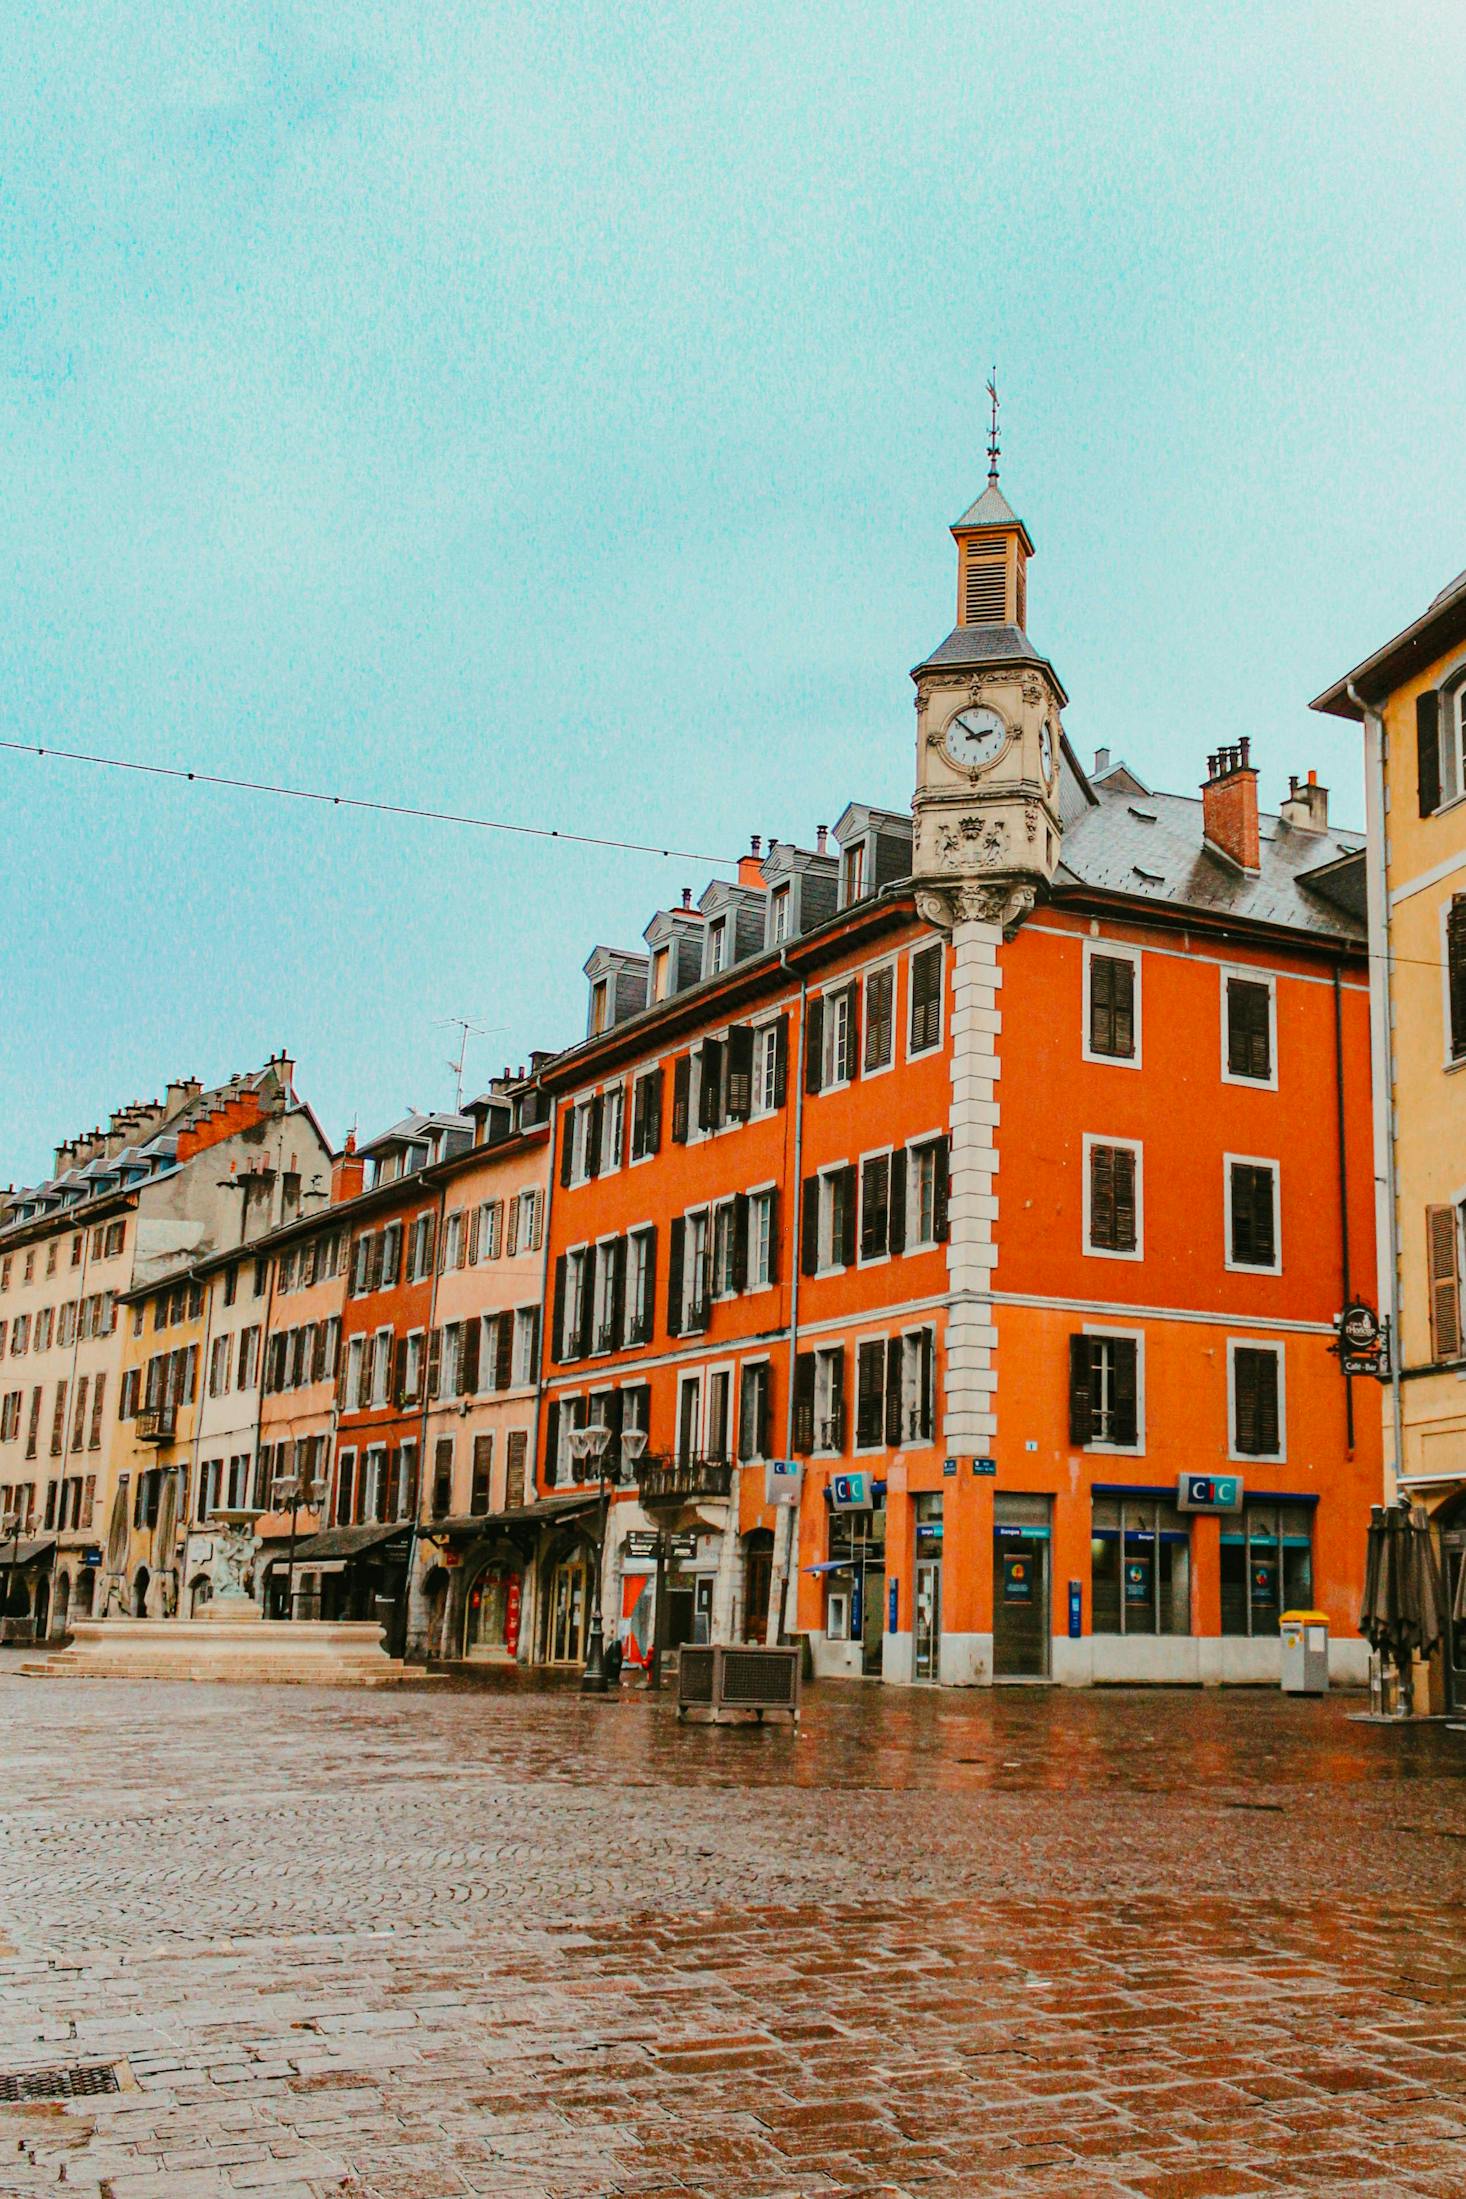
{"x":985,"y":581}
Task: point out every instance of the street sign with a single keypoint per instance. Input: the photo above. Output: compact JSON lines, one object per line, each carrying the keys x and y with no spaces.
{"x":782,"y":1477}
{"x":1209,"y":1493}
{"x":949,"y":1467}
{"x":1362,"y":1347}
{"x":984,"y":1465}
{"x":640,"y":1544}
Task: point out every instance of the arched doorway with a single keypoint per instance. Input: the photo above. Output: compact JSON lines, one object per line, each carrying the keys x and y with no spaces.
{"x":491,"y":1611}
{"x":758,"y":1577}
{"x":81,"y":1601}
{"x":200,"y":1592}
{"x":43,"y":1608}
{"x":142,"y":1581}
{"x":567,"y":1588}
{"x":435,"y":1595}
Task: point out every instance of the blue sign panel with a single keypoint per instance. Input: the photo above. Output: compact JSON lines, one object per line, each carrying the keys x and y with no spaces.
{"x":1076,"y":1610}
{"x":949,"y":1467}
{"x":984,"y":1465}
{"x":893,"y":1606}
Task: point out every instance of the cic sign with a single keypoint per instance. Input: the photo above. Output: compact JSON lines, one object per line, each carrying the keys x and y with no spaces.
{"x":1209,"y":1493}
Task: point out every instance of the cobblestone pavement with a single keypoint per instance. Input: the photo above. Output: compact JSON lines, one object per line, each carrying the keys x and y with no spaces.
{"x":503,"y":1941}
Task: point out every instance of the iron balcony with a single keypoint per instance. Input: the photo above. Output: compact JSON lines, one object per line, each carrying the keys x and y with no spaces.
{"x":666,"y":1483}
{"x":156,"y":1423}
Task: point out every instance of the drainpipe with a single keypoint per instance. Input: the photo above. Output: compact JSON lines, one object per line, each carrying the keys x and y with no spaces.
{"x":1343,"y":1165}
{"x":1381,"y":999}
{"x":783,"y":1573}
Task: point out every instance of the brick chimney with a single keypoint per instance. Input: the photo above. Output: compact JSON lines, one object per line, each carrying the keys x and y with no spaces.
{"x":1307,"y":806}
{"x":751,"y":866}
{"x":1229,"y":805}
{"x":348,"y":1171}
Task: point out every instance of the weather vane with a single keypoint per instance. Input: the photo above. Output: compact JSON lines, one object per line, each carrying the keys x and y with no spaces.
{"x":993,"y":430}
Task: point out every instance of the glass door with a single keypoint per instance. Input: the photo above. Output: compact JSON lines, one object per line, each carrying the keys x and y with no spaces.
{"x":926,"y":1642}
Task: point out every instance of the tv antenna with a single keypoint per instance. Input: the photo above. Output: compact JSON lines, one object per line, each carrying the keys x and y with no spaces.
{"x":466,"y":1028}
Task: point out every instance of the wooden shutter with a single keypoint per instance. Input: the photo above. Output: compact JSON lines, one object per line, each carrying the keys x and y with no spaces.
{"x":646,"y":1313}
{"x":814,"y":1045}
{"x":1254,"y":1230}
{"x":475,"y":1233}
{"x":1102,"y":1197}
{"x":747,"y":1412}
{"x":676,"y":1256}
{"x":804,"y":1403}
{"x":773,"y":1199}
{"x":514,"y":1457}
{"x":845,"y":1183}
{"x":1125,"y":1215}
{"x":1255,"y":1402}
{"x":1428,"y":752}
{"x":558,"y":1353}
{"x":616,"y":1296}
{"x":870,"y":1394}
{"x":927,"y":1363}
{"x":504,"y":1352}
{"x":593,"y":1135}
{"x":378,"y":1256}
{"x":878,"y":1019}
{"x":895,"y":1360}
{"x":552,"y":1444}
{"x":1112,"y":1005}
{"x":1443,"y":1267}
{"x":681,"y":1090}
{"x":740,"y":1073}
{"x":781,"y":1060}
{"x":809,"y":1227}
{"x":852,"y":1029}
{"x":896,"y":1231}
{"x":512,"y":1230}
{"x":926,"y":983}
{"x":652,"y":1128}
{"x":875,"y":1204}
{"x":1081,"y":1390}
{"x":567,"y":1142}
{"x":837,"y":1398}
{"x":1248,"y":1035}
{"x":740,"y":1240}
{"x":468,"y":1358}
{"x":587,"y":1301}
{"x":942,"y":1191}
{"x":1124,"y":1399}
{"x":710,"y":1085}
{"x":1456,"y":972}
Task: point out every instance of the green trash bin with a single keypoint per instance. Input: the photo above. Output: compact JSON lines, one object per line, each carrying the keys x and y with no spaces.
{"x":1305,"y":1636}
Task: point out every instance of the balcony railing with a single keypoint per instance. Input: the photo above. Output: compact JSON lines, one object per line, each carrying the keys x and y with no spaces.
{"x":156,"y":1423}
{"x":669,"y":1482}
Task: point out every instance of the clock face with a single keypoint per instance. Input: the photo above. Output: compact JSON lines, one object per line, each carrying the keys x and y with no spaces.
{"x":1046,"y":750}
{"x":976,"y":737}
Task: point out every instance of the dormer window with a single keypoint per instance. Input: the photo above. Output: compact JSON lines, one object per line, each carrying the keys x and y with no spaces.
{"x":661,"y":973}
{"x":852,"y":874}
{"x":717,"y":944}
{"x":600,"y":1007}
{"x":779,"y":916}
{"x":416,"y":1157}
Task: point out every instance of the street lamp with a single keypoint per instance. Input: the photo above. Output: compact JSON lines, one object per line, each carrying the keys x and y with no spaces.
{"x":295,"y":1490}
{"x":593,"y":1442}
{"x":10,"y":1527}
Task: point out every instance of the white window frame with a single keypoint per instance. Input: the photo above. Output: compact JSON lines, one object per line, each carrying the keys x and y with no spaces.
{"x":717,"y":954}
{"x":351,"y":1387}
{"x":1112,"y":951}
{"x":826,"y":1263}
{"x":686,"y":1382}
{"x":522,"y":1370}
{"x":765,"y":1069}
{"x":1279,"y":1457}
{"x":413,"y":1364}
{"x":1137,"y":1147}
{"x":1105,"y":1330}
{"x":613,"y":1105}
{"x":724,"y":1216}
{"x":858,"y":852}
{"x":893,"y":966}
{"x":781,"y":900}
{"x":1252,"y":1160}
{"x":909,"y":1151}
{"x":835,"y":999}
{"x":696,"y":1218}
{"x":908,"y":992}
{"x":726,"y":1368}
{"x":826,"y":1357}
{"x":571,"y":1322}
{"x":1247,"y":976}
{"x":857,"y":1345}
{"x":601,"y":1301}
{"x":638,"y":1245}
{"x":760,"y":1201}
{"x":385,"y":1385}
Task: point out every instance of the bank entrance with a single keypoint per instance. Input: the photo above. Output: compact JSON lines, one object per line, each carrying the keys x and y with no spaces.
{"x":1021,"y":1587}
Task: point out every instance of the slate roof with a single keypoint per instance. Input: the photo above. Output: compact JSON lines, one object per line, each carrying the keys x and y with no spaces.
{"x":982,"y":645}
{"x":1150,"y":848}
{"x":992,"y":509}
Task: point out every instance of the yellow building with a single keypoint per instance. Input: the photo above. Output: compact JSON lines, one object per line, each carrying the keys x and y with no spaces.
{"x":1410,"y":697}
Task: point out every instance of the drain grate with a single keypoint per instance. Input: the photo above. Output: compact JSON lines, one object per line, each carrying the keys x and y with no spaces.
{"x":78,"y":2083}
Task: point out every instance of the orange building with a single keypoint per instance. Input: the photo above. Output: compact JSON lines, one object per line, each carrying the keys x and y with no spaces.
{"x":998,"y":1172}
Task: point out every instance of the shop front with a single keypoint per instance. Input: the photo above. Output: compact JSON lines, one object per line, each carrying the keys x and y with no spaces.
{"x":853,"y":1578}
{"x":1022,"y":1592}
{"x":352,"y":1573}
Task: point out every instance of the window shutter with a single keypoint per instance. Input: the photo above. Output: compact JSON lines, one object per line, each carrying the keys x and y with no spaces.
{"x":1428,"y":751}
{"x":1101,"y":1003}
{"x":852,"y":1030}
{"x":740,"y":1073}
{"x":475,"y":1232}
{"x":1445,"y":1285}
{"x":1124,"y":1182}
{"x":781,"y":1060}
{"x":1247,"y":1029}
{"x":837,"y":1397}
{"x":895,"y":1358}
{"x":676,"y":1254}
{"x":846,"y":1181}
{"x":504,"y":1352}
{"x":552,"y":1443}
{"x":814,"y":1045}
{"x":593,"y":1135}
{"x":567,"y":1142}
{"x":1255,"y":1402}
{"x":1081,"y":1392}
{"x":710,"y":1085}
{"x":926,"y":983}
{"x":378,"y":1257}
{"x":616,"y":1296}
{"x":469,"y":1358}
{"x":804,"y":1403}
{"x":647,"y":1320}
{"x":927,"y":1347}
{"x":652,"y":1129}
{"x":870,"y":1394}
{"x":809,"y":1228}
{"x":740,"y":1240}
{"x":558,"y":1353}
{"x":435,"y":1361}
{"x":513,"y":1229}
{"x":773,"y":1199}
{"x":875,"y":1204}
{"x":747,"y":1413}
{"x":896,"y":1233}
{"x":1102,"y":1197}
{"x":587,"y":1302}
{"x":941,"y":1191}
{"x":1254,"y":1234}
{"x":1456,"y":968}
{"x":878,"y":1019}
{"x":1124,"y":1417}
{"x":681,"y":1090}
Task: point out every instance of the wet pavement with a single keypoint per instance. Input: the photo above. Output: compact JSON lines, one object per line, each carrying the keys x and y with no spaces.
{"x":500,"y":1940}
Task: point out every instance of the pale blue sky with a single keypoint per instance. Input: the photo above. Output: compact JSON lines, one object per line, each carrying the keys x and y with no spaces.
{"x":557,"y":411}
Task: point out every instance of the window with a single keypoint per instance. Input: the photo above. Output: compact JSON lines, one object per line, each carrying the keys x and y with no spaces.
{"x":1255,"y":1416}
{"x":1140,"y":1567}
{"x":1113,"y":1017}
{"x":1443,"y":1269}
{"x":880,"y":1019}
{"x":696,"y":1280}
{"x":1104,"y":1391}
{"x":661,"y":973}
{"x":247,"y":1370}
{"x":717,"y":1425}
{"x":526,"y":1345}
{"x":526,"y":1222}
{"x":689,"y":1415}
{"x":483,"y":1466}
{"x":1252,"y":1214}
{"x":717,"y":945}
{"x":231,"y":1285}
{"x":852,"y":874}
{"x":1247,"y":1008}
{"x":925,"y":1029}
{"x":1112,"y":1195}
{"x":454,"y":1243}
{"x":613,"y":1128}
{"x":829,"y":1400}
{"x":600,"y":1007}
{"x":839,"y":1035}
{"x":219,"y":1356}
{"x":420,"y":1262}
{"x":918,"y":1386}
{"x":770,"y":1044}
{"x":828,"y":1224}
{"x":640,"y":1300}
{"x":355,"y":1351}
{"x":1267,"y":1566}
{"x":761,"y":1247}
{"x":1440,"y":736}
{"x":754,"y":1397}
{"x":442,"y":1476}
{"x":724,"y":1218}
{"x":778,"y":916}
{"x":926,"y":1219}
{"x":646,"y":1115}
{"x":1454,"y":920}
{"x":870,"y":1395}
{"x":391,"y":1254}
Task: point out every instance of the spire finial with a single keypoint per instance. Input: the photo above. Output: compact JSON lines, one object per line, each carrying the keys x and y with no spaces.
{"x":993,"y":430}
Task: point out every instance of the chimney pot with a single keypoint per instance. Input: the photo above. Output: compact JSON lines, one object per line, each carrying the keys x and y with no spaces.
{"x":687,"y":897}
{"x":756,"y":843}
{"x":1101,"y":762}
{"x":1229,"y":805}
{"x":821,"y":836}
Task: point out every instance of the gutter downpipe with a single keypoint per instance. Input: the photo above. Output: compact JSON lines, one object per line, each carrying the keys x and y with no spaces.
{"x":1382,"y":1032}
{"x":776,"y":1629}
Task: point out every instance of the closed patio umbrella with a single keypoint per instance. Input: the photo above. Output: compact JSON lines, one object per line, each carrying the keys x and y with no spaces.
{"x":1403,"y":1608}
{"x":164,"y":1532}
{"x":117,"y":1539}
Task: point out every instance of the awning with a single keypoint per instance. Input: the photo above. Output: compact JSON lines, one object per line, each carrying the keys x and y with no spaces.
{"x":833,"y":1565}
{"x":348,"y":1542}
{"x":26,"y":1553}
{"x":546,"y":1508}
{"x":280,"y":1563}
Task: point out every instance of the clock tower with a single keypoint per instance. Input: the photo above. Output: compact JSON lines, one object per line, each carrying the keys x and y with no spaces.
{"x":986,"y":807}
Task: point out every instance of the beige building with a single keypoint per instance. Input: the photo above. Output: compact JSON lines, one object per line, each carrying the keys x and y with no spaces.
{"x":1410,"y":697}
